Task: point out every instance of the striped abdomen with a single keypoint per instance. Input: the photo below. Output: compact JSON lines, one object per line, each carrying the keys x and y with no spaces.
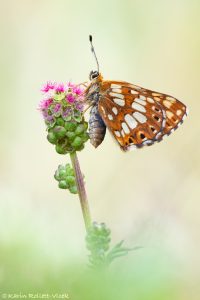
{"x":97,"y":128}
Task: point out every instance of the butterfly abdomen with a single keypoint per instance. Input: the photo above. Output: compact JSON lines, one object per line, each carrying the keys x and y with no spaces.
{"x":97,"y":128}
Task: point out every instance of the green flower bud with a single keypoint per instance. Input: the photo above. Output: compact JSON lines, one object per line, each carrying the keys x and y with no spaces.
{"x":68,"y":168}
{"x":73,"y":189}
{"x":71,"y":135}
{"x":60,"y":122}
{"x":63,"y":184}
{"x":69,"y":149}
{"x":70,"y":126}
{"x":51,"y":137}
{"x":77,"y":142}
{"x":59,"y":131}
{"x":63,"y":174}
{"x":56,"y":175}
{"x":70,"y":180}
{"x":80,"y":129}
{"x":70,"y":172}
{"x":81,"y":147}
{"x":67,"y":118}
{"x":77,"y":116}
{"x":85,"y":137}
{"x":60,"y":149}
{"x":62,"y":167}
{"x":66,"y":178}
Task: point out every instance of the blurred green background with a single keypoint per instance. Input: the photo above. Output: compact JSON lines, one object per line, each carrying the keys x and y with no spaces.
{"x":148,"y":197}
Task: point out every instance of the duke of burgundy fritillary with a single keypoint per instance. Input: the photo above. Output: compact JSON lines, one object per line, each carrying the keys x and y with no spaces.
{"x":135,"y":116}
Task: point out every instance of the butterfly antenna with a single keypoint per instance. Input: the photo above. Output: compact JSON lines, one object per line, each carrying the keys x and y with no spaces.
{"x":93,"y":51}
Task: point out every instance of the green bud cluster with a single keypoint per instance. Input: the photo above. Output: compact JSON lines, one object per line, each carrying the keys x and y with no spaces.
{"x":98,"y":242}
{"x":68,"y":136}
{"x":66,"y":178}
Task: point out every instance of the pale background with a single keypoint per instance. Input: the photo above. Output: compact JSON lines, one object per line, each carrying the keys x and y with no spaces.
{"x":148,"y":197}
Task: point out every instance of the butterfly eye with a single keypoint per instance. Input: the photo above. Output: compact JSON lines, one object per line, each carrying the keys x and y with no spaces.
{"x":93,"y":75}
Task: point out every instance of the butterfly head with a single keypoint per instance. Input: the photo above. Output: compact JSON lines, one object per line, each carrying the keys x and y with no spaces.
{"x":93,"y":75}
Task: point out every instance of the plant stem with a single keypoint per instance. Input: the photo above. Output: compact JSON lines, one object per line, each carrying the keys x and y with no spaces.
{"x":81,"y":190}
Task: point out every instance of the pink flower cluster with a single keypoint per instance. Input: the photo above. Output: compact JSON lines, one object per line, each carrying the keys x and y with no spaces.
{"x":61,"y":99}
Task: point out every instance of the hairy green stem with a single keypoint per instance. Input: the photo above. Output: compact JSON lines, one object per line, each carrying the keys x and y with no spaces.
{"x":81,"y":190}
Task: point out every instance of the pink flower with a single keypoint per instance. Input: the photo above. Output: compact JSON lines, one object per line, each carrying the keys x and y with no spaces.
{"x":70,"y":85}
{"x":44,"y":104}
{"x":77,"y":90}
{"x":47,"y":117}
{"x":59,"y":88}
{"x":79,"y":106}
{"x":57,"y":108}
{"x":53,"y":106}
{"x":70,"y":98}
{"x":48,"y":86}
{"x":67,"y":112}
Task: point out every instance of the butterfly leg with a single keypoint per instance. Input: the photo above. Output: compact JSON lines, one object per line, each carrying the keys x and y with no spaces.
{"x":85,"y":84}
{"x":90,"y":105}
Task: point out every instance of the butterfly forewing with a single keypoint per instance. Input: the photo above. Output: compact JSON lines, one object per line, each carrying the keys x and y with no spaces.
{"x":137,"y":116}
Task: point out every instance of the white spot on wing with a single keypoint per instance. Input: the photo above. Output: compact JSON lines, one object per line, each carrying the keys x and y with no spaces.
{"x":132,"y":123}
{"x":114,"y":109}
{"x":169,"y":114}
{"x":138,"y":107}
{"x":115,"y":86}
{"x":157,"y":99}
{"x":147,"y":142}
{"x":167,"y":103}
{"x":142,"y":97}
{"x":171,"y":99}
{"x":150,"y":100}
{"x":103,"y":111}
{"x":134,"y":92}
{"x":156,"y":94}
{"x":117,"y":95}
{"x":158,"y":135}
{"x":132,"y":147}
{"x":110,"y":117}
{"x":179,"y":112}
{"x":125,"y":127}
{"x":122,"y":132}
{"x":117,"y":91}
{"x":118,"y":101}
{"x":139,"y":117}
{"x":117,"y":133}
{"x":140,"y":101}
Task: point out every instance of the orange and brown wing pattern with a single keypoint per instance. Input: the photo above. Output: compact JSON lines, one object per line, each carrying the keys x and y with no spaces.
{"x":137,"y":116}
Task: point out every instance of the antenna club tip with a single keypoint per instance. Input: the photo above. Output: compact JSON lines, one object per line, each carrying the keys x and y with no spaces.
{"x":90,"y":38}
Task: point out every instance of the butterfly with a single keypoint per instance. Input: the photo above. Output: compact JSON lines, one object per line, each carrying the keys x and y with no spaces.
{"x":135,"y":116}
